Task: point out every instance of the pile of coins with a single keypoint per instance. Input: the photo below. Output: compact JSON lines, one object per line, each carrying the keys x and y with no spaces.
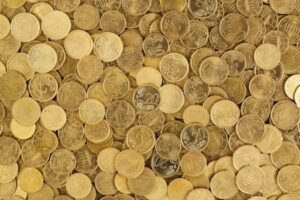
{"x":149,"y":99}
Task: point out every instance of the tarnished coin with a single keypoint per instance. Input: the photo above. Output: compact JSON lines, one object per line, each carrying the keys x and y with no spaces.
{"x":234,"y":27}
{"x":278,"y":38}
{"x":174,"y":25}
{"x":262,"y":86}
{"x":31,"y":157}
{"x":5,"y":26}
{"x":267,"y":56}
{"x":200,"y":194}
{"x":42,"y":58}
{"x":279,"y":158}
{"x":194,"y":137}
{"x":168,"y":146}
{"x":131,"y":59}
{"x":66,"y":6}
{"x":223,"y":185}
{"x":214,"y":70}
{"x":116,"y":85}
{"x":113,"y":21}
{"x":12,"y":85}
{"x":86,"y":17}
{"x":291,"y":84}
{"x":108,"y":46}
{"x":97,"y":133}
{"x":217,"y":141}
{"x":91,"y":111}
{"x":106,"y":159}
{"x":26,"y":111}
{"x":179,"y":188}
{"x":62,"y":161}
{"x":289,"y":67}
{"x":193,"y":163}
{"x":25,"y":27}
{"x":78,"y":185}
{"x":246,"y":155}
{"x":195,"y":90}
{"x":153,"y":119}
{"x":287,"y":178}
{"x":108,"y":5}
{"x":44,"y":141}
{"x":202,"y":9}
{"x":129,"y":163}
{"x":164,"y":167}
{"x":143,"y":184}
{"x":142,"y":143}
{"x":146,"y":98}
{"x":271,"y":140}
{"x":225,"y":113}
{"x":104,"y":183}
{"x":250,"y":179}
{"x":258,"y":107}
{"x":96,"y":91}
{"x":53,"y":117}
{"x":86,"y":161}
{"x":30,"y":179}
{"x":171,"y":98}
{"x":155,"y":45}
{"x":20,"y":131}
{"x":236,"y":62}
{"x":256,"y":30}
{"x":9,"y":151}
{"x":250,"y":129}
{"x":56,"y":25}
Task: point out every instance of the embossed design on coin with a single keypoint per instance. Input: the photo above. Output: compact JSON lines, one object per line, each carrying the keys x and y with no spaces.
{"x":168,"y":146}
{"x":62,"y":161}
{"x":164,"y":167}
{"x":202,"y":9}
{"x":146,"y":98}
{"x":155,"y":45}
{"x":194,"y":137}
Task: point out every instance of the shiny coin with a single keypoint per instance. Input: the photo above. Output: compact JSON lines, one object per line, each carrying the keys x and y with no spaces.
{"x":267,"y":56}
{"x":53,"y":117}
{"x":168,"y":146}
{"x":250,"y":179}
{"x":171,"y":98}
{"x":5,"y":24}
{"x":146,"y":98}
{"x":30,"y":179}
{"x":91,"y":111}
{"x":193,"y":163}
{"x":194,"y":137}
{"x":78,"y":185}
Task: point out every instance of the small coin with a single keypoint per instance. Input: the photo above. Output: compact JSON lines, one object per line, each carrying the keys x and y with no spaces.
{"x":42,"y":58}
{"x":214,"y":70}
{"x":106,"y":159}
{"x":20,"y":131}
{"x":56,"y":25}
{"x":236,"y":62}
{"x":146,"y":98}
{"x":160,"y":189}
{"x":96,"y":91}
{"x":25,"y":27}
{"x":202,"y":9}
{"x":165,"y":168}
{"x":196,"y":114}
{"x":136,"y":7}
{"x":143,"y":184}
{"x":278,"y":38}
{"x":8,"y":173}
{"x":78,"y":185}
{"x":5,"y":26}
{"x":44,"y":141}
{"x":19,"y":62}
{"x":217,"y":141}
{"x":53,"y":117}
{"x":31,"y":157}
{"x":291,"y":84}
{"x":271,"y":140}
{"x":129,"y":163}
{"x":267,"y":56}
{"x":86,"y":17}
{"x":281,"y":8}
{"x":287,"y":178}
{"x":148,"y":75}
{"x":246,"y":155}
{"x":279,"y":158}
{"x":174,"y":25}
{"x":171,"y":98}
{"x":12,"y":85}
{"x":223,"y":185}
{"x":195,"y":90}
{"x":258,"y":107}
{"x":250,"y":179}
{"x":200,"y":194}
{"x":104,"y":183}
{"x":121,"y":184}
{"x":262,"y":86}
{"x":270,"y":183}
{"x":194,"y":137}
{"x":26,"y":111}
{"x":108,"y":46}
{"x":168,"y":146}
{"x":91,"y":111}
{"x":116,"y":85}
{"x":30,"y":179}
{"x":193,"y":163}
{"x":117,"y":25}
{"x":179,"y":188}
{"x":131,"y":59}
{"x":155,"y":45}
{"x":62,"y":161}
{"x":86,"y":161}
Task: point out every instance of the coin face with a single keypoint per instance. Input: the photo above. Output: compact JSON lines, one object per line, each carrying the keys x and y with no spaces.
{"x":76,"y":190}
{"x":250,"y":185}
{"x":193,"y":163}
{"x":168,"y":146}
{"x":174,"y":25}
{"x":236,"y":62}
{"x":148,"y":179}
{"x":155,"y":45}
{"x":262,"y":86}
{"x":271,"y":141}
{"x":179,"y":188}
{"x":246,"y":155}
{"x":117,"y":25}
{"x":86,"y":161}
{"x":136,"y":7}
{"x":97,"y":133}
{"x":171,"y":98}
{"x":287,"y":180}
{"x":217,"y":141}
{"x":258,"y":107}
{"x":164,"y":167}
{"x":146,"y":98}
{"x":194,"y":137}
{"x":91,"y":111}
{"x":267,"y":56}
{"x":291,"y":85}
{"x":225,"y":113}
{"x":202,"y":9}
{"x":214,"y":71}
{"x":45,"y":141}
{"x":279,"y":158}
{"x":197,"y":35}
{"x":86,"y":17}
{"x":30,"y":179}
{"x":10,"y":150}
{"x":12,"y":85}
{"x":227,"y":190}
{"x":131,"y":59}
{"x":62,"y":161}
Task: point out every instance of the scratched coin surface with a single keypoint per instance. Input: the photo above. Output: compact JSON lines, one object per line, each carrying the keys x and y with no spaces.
{"x":146,"y":98}
{"x":194,"y":137}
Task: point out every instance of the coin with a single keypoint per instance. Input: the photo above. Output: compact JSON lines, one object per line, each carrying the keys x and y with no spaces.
{"x":217,"y":141}
{"x":20,"y":131}
{"x":250,"y":179}
{"x":171,"y":98}
{"x":160,"y":189}
{"x":77,"y":190}
{"x":197,"y":36}
{"x":91,"y":111}
{"x":136,"y":7}
{"x":168,"y":146}
{"x":179,"y":188}
{"x":165,"y":168}
{"x":224,"y":163}
{"x":271,"y":140}
{"x":287,"y":180}
{"x":223,"y":185}
{"x":14,"y":3}
{"x":258,"y":107}
{"x":12,"y":85}
{"x":291,"y":85}
{"x":278,"y":38}
{"x":194,"y":137}
{"x":146,"y":98}
{"x":42,"y":58}
{"x":86,"y":17}
{"x":121,"y":184}
{"x":148,"y":75}
{"x":108,"y":46}
{"x":116,"y":85}
{"x":25,"y":27}
{"x":288,"y":197}
{"x":236,"y":62}
{"x":8,"y":173}
{"x":5,"y":24}
{"x":56,"y":25}
{"x":195,"y":90}
{"x":44,"y":141}
{"x":246,"y":155}
{"x":270,"y":182}
{"x":30,"y":179}
{"x":291,"y":53}
{"x":62,"y":161}
{"x":213,"y":70}
{"x":202,"y":9}
{"x":106,"y":159}
{"x":117,"y":25}
{"x":131,"y":59}
{"x":129,"y":163}
{"x":279,"y":158}
{"x":86,"y":161}
{"x":267,"y":56}
{"x":196,"y":114}
{"x":104,"y":183}
{"x":155,"y":45}
{"x":110,"y":5}
{"x":96,"y":91}
{"x":193,"y":163}
{"x":262,"y":86}
{"x":143,"y":184}
{"x":280,"y":8}
{"x":19,"y":62}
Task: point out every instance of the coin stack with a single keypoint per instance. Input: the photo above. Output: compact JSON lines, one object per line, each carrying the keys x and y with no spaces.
{"x":149,"y":99}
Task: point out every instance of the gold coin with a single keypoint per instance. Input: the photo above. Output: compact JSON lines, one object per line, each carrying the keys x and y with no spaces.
{"x":196,"y":114}
{"x":44,"y":141}
{"x":172,"y":98}
{"x":9,"y":45}
{"x":141,"y":143}
{"x":235,"y":89}
{"x":282,"y":8}
{"x":86,"y":161}
{"x":258,"y":107}
{"x":217,"y":141}
{"x":223,"y":185}
{"x":236,"y":62}
{"x":225,"y":113}
{"x":53,"y":117}
{"x":143,"y":184}
{"x":253,"y":11}
{"x":270,"y":183}
{"x":200,"y":194}
{"x":98,"y":133}
{"x":288,"y":197}
{"x":287,"y":178}
{"x":267,"y":56}
{"x":271,"y":140}
{"x":2,"y":68}
{"x":160,"y":189}
{"x":174,"y":25}
{"x":174,"y":67}
{"x":86,"y":17}
{"x":292,"y":53}
{"x":56,"y":25}
{"x":116,"y":85}
{"x":284,"y":25}
{"x":25,"y":27}
{"x":224,"y":163}
{"x":8,"y":189}
{"x":193,"y":163}
{"x":136,"y":7}
{"x":19,"y":62}
{"x":106,"y":159}
{"x":256,"y":31}
{"x":14,"y":3}
{"x":278,"y":38}
{"x":121,"y":184}
{"x":279,"y":158}
{"x":246,"y":155}
{"x":262,"y":86}
{"x":42,"y":58}
{"x":195,"y":90}
{"x":217,"y":41}
{"x":96,"y":91}
{"x":250,"y":129}
{"x":148,"y":75}
{"x":214,"y":71}
{"x":197,"y":35}
{"x":129,"y":163}
{"x":108,"y":46}
{"x":45,"y":191}
{"x":179,"y":188}
{"x":146,"y":98}
{"x":26,"y":111}
{"x":62,"y":161}
{"x":157,"y":51}
{"x":168,"y":146}
{"x":202,"y":9}
{"x":165,"y":168}
{"x":291,"y":84}
{"x":5,"y":26}
{"x":70,"y":95}
{"x":30,"y":179}
{"x":194,"y":137}
{"x":250,"y":185}
{"x":41,"y":9}
{"x":110,"y":5}
{"x":131,"y":59}
{"x":104,"y":183}
{"x":78,"y":185}
{"x":8,"y":173}
{"x":116,"y":26}
{"x":31,"y":157}
{"x":20,"y":131}
{"x":285,"y":115}
{"x":12,"y":85}
{"x":198,"y":56}
{"x":91,"y":111}
{"x":175,"y":5}
{"x":78,"y":44}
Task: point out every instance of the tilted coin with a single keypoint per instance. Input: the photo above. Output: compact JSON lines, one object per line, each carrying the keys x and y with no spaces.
{"x":78,"y":185}
{"x":30,"y":179}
